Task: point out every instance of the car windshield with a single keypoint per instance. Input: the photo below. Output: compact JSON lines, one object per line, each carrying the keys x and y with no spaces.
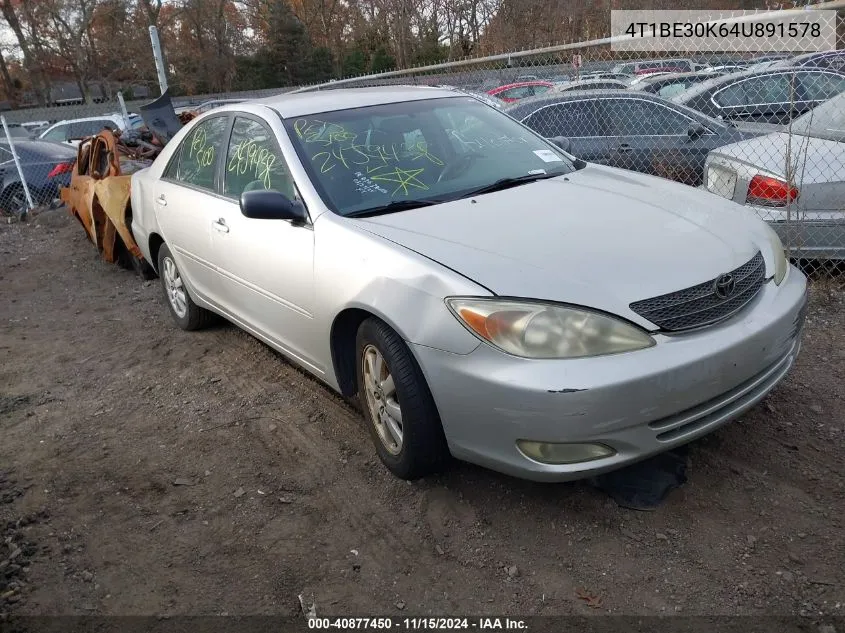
{"x":422,"y":151}
{"x":824,"y":121}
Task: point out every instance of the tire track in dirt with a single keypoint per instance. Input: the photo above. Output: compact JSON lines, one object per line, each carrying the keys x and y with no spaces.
{"x":374,"y":520}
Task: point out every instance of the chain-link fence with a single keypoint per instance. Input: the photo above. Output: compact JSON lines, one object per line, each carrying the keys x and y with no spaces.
{"x":764,"y":130}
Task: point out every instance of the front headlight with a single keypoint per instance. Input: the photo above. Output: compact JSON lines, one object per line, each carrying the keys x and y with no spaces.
{"x":538,"y":330}
{"x":781,"y":262}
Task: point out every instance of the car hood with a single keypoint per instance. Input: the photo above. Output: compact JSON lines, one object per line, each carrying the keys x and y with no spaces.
{"x":817,"y":160}
{"x":599,"y":237}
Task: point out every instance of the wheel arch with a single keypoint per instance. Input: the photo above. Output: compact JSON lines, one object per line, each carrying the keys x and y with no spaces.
{"x":154,"y":243}
{"x":342,"y":337}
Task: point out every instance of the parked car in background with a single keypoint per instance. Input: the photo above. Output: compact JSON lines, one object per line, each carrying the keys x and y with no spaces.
{"x":604,"y":75}
{"x":723,"y":69}
{"x":807,"y":205}
{"x":671,"y":65}
{"x":16,"y":131}
{"x":74,"y":130}
{"x":416,"y":248}
{"x":516,"y":91}
{"x":769,"y":57}
{"x":35,"y":127}
{"x":590,"y":84}
{"x":770,"y":96}
{"x":46,"y":167}
{"x":648,"y":76}
{"x":631,"y":130}
{"x":832,"y":60}
{"x":674,"y":83}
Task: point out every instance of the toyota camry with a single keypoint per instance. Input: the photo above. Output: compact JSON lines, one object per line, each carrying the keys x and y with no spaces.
{"x":485,"y":295}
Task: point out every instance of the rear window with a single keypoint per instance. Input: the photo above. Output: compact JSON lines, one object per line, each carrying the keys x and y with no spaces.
{"x":82,"y":129}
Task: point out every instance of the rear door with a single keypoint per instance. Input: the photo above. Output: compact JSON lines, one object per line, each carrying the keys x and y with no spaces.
{"x":187,"y":203}
{"x":580,"y":122}
{"x":653,"y":138}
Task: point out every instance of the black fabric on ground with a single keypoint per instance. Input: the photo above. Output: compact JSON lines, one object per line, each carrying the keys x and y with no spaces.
{"x":645,"y":485}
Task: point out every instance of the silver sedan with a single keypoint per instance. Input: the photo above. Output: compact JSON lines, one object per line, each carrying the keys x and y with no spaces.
{"x":793,"y":178}
{"x":486,"y":295}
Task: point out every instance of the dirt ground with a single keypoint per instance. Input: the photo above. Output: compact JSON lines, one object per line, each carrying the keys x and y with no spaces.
{"x":145,"y":470}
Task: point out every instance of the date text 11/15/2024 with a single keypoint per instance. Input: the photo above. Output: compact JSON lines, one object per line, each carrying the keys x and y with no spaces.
{"x":418,"y":624}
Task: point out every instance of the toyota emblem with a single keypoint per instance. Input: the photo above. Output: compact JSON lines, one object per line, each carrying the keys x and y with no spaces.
{"x":724,"y":286}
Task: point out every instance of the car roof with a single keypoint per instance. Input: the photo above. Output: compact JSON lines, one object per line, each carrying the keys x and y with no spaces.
{"x":114,"y":116}
{"x":704,"y":86}
{"x":798,"y":59}
{"x":529,"y":104}
{"x":293,"y":104}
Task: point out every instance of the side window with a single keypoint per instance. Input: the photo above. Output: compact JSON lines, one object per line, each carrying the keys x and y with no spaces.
{"x":671,"y":90}
{"x":834,"y":61}
{"x":821,"y":86}
{"x":58,"y":133}
{"x":762,"y":90}
{"x":573,"y":119}
{"x":636,"y":117}
{"x":538,"y":90}
{"x":82,"y":129}
{"x":516,"y":93}
{"x":198,"y":153}
{"x":254,"y":161}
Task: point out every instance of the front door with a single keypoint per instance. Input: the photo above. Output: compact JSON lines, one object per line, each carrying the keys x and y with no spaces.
{"x":266,"y":266}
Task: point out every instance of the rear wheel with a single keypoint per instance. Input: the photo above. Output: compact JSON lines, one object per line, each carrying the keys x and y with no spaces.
{"x":13,"y":201}
{"x":187,"y":314}
{"x":397,"y":404}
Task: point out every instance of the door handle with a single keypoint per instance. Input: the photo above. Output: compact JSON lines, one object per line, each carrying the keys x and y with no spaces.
{"x":220,"y":225}
{"x":161,"y":200}
{"x":624,"y":148}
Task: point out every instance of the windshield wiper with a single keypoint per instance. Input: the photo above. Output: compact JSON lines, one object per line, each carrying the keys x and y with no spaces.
{"x":507,"y":183}
{"x":392,"y":207}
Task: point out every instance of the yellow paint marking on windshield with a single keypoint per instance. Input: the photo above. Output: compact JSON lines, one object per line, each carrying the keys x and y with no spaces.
{"x":403,"y":178}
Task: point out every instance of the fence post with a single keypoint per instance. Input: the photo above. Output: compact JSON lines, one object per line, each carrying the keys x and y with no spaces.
{"x":123,"y":110}
{"x":159,"y":59}
{"x":17,"y":160}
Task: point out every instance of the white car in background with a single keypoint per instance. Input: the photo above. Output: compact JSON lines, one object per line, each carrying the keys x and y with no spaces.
{"x":72,"y":131}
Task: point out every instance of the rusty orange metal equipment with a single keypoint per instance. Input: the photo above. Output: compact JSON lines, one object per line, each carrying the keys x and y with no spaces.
{"x":98,"y":195}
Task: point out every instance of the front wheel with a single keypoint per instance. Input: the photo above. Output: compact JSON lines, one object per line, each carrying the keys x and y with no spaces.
{"x":187,"y":314}
{"x":397,"y":404}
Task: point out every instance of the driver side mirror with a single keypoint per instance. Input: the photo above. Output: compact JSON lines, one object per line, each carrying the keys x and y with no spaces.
{"x":272,"y":205}
{"x":695,"y":131}
{"x":562,"y":142}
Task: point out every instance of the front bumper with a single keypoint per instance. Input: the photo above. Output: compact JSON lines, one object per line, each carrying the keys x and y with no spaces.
{"x":640,"y":404}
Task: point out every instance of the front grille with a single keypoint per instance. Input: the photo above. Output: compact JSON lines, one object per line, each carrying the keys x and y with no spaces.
{"x":700,"y":305}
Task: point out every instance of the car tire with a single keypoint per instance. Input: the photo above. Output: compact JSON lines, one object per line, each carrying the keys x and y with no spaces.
{"x":409,"y":440}
{"x":187,"y":314}
{"x":13,"y":200}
